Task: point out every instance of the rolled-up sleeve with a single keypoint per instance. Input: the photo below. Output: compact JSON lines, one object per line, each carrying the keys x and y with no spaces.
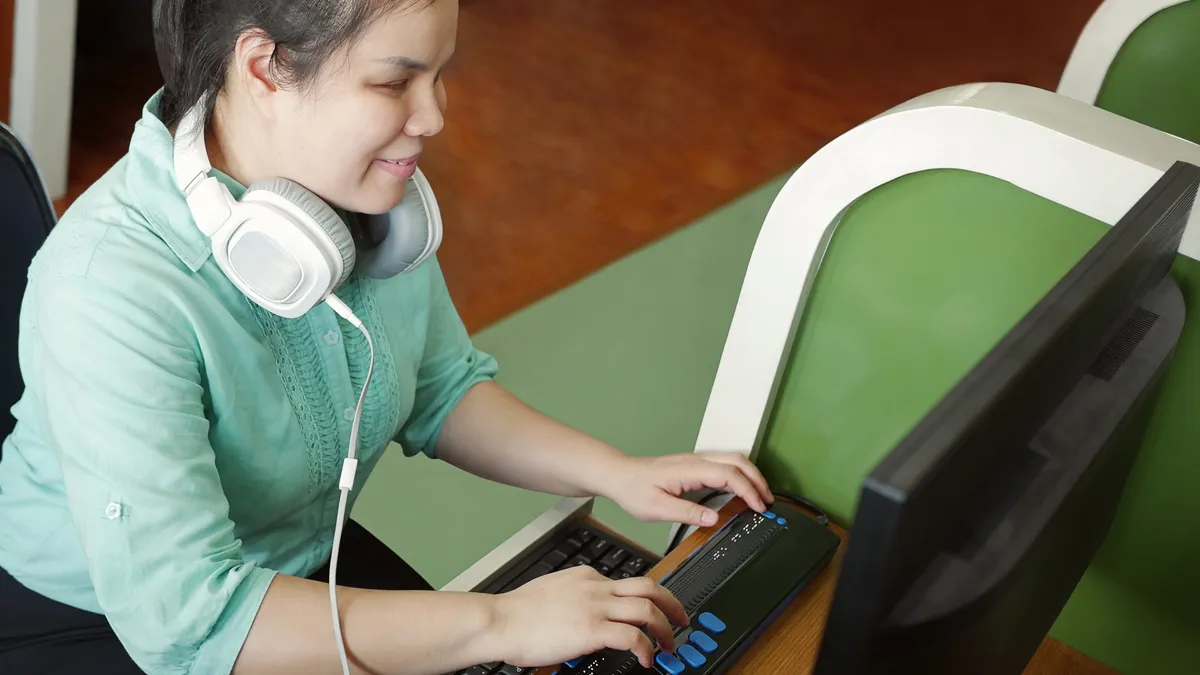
{"x":126,"y":408}
{"x":450,"y":366}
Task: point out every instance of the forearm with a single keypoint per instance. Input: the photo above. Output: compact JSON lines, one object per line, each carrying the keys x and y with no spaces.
{"x":385,"y":632}
{"x":494,"y":435}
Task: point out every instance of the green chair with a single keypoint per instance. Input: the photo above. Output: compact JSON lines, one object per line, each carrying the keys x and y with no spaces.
{"x":934,"y":228}
{"x":1141,"y":60}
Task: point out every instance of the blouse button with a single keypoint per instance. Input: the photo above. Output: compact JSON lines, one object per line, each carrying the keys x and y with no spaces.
{"x":331,"y":337}
{"x":348,"y":414}
{"x":113,"y":511}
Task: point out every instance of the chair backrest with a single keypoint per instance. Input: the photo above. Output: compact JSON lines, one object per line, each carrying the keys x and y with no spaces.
{"x":1141,"y":59}
{"x":28,"y":216}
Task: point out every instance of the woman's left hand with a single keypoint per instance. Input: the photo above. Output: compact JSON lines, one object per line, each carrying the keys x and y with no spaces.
{"x":650,"y":488}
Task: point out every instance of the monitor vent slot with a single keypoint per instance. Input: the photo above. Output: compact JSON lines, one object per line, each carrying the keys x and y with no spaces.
{"x":1167,"y":239}
{"x":1127,"y":339}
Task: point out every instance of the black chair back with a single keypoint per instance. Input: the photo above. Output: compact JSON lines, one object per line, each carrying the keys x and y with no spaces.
{"x":27,"y":215}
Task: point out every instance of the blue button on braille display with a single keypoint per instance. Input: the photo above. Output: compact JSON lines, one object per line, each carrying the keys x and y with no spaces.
{"x":703,"y":641}
{"x":711,"y":623}
{"x":669,"y":662}
{"x":573,"y":662}
{"x":769,"y":514}
{"x":694,"y":658}
{"x":781,"y":521}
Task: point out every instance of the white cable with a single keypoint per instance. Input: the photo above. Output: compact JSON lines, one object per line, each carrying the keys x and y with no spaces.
{"x":337,"y":622}
{"x":346,"y":482}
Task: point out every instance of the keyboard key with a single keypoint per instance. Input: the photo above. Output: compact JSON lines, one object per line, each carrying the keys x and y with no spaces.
{"x":578,"y":560}
{"x":703,"y":641}
{"x":555,"y":558}
{"x":711,"y":623}
{"x":634,"y":566}
{"x":619,"y":574}
{"x":669,"y":663}
{"x":584,"y":535}
{"x":537,"y":570}
{"x":693,"y":658}
{"x":510,"y":669}
{"x":615,"y":557}
{"x":570,"y":546}
{"x":603,"y":569}
{"x":476,"y":670}
{"x":598,"y":547}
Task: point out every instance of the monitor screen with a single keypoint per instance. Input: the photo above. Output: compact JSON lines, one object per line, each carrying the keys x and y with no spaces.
{"x":972,"y":533}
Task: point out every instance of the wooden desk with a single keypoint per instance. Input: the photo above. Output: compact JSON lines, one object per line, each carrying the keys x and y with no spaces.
{"x":790,"y":644}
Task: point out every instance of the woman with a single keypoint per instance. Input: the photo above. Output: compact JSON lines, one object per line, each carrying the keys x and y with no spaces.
{"x":169,"y":496}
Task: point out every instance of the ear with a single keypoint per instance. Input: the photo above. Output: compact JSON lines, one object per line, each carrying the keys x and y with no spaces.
{"x":251,"y":64}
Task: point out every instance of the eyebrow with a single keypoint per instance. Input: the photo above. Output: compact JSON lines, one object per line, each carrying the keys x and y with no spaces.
{"x":412,"y":64}
{"x":405,"y":62}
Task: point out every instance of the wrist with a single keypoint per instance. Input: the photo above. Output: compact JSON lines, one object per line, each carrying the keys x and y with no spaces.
{"x":490,"y":639}
{"x":496,"y":638}
{"x":609,"y":474}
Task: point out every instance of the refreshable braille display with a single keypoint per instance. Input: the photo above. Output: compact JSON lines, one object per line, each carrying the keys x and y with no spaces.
{"x":732,"y":588}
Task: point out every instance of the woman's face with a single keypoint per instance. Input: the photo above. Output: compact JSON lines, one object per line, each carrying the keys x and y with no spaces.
{"x":353,"y":138}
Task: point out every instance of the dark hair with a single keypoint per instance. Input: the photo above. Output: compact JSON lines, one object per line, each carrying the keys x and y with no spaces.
{"x":195,"y":40}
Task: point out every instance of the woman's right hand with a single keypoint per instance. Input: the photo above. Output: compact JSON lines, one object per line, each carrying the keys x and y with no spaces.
{"x":578,"y":611}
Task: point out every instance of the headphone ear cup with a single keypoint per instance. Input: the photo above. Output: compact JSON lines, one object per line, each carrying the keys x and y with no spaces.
{"x":321,"y":214}
{"x":408,"y":234}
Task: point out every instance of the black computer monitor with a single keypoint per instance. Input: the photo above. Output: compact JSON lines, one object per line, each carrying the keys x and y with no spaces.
{"x":971,"y":535}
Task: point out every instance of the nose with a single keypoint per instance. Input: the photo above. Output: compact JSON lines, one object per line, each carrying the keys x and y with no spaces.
{"x":427,"y":118}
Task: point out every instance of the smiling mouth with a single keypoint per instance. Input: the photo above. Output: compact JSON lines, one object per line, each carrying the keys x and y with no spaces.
{"x":408,"y":161}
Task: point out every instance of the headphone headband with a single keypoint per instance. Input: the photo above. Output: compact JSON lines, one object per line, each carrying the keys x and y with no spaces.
{"x":210,"y":201}
{"x":191,"y":153}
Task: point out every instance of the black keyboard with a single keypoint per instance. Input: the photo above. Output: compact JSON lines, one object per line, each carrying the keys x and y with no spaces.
{"x":576,"y":546}
{"x":732,"y":588}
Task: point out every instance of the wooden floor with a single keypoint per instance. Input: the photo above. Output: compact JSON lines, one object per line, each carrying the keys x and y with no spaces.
{"x":579,"y":132}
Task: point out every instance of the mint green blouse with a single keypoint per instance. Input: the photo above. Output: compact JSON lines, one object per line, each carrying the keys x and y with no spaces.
{"x":176,"y":446}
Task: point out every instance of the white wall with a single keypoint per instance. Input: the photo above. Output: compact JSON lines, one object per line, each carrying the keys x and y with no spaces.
{"x":42,"y":79}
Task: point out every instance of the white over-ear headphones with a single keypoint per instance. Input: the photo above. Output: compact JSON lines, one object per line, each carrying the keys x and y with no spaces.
{"x":288,"y":251}
{"x":283,"y":246}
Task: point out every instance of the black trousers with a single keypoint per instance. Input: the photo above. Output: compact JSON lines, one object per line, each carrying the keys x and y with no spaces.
{"x":39,"y":636}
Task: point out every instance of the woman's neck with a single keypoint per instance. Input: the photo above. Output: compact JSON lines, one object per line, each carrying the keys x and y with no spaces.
{"x":231,"y":150}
